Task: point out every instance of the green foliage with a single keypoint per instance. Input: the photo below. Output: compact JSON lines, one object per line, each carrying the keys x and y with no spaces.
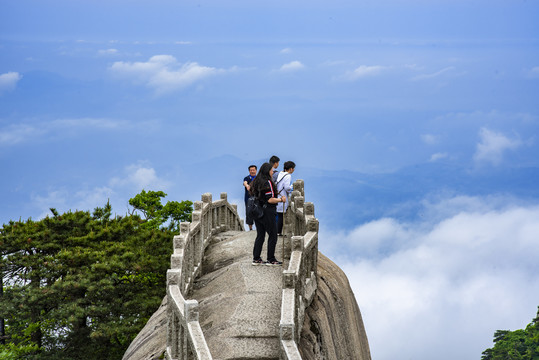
{"x":515,"y":345}
{"x":12,"y":351}
{"x":80,"y":285}
{"x":157,"y":214}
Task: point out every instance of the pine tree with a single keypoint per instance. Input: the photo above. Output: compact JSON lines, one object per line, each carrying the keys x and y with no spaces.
{"x":156,"y":214}
{"x":520,"y":344}
{"x":80,"y":285}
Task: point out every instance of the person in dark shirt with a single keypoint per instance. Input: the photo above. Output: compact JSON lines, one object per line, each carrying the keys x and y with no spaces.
{"x":274,"y":162}
{"x":264,"y":189}
{"x":247,"y":185}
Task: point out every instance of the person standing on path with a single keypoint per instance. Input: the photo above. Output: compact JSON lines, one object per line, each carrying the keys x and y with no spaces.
{"x":247,"y":185}
{"x":274,"y":162}
{"x":284,"y":187}
{"x":263,"y":188}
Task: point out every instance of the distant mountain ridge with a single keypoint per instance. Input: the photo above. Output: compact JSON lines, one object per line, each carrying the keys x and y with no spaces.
{"x":363,"y":197}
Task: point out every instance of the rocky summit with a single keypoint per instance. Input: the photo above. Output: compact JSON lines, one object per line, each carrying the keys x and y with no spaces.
{"x":240,"y":306}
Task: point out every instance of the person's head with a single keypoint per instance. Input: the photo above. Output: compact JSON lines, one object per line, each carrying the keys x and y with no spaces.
{"x":274,"y":161}
{"x":252,"y":170}
{"x":261,"y":180}
{"x":289,"y":166}
{"x":266,"y":171}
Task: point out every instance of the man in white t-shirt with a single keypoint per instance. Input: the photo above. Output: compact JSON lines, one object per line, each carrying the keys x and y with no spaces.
{"x":284,"y":188}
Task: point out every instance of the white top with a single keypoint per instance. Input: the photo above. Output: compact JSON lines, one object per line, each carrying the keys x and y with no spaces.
{"x":284,"y":188}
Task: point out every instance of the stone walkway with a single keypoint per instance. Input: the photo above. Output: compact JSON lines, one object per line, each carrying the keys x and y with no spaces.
{"x":240,"y":304}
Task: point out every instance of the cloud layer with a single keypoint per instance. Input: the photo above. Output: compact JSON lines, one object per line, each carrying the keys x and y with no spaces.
{"x":163,"y":73}
{"x":447,"y":283}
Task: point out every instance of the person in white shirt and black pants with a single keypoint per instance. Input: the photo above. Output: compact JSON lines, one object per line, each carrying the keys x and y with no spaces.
{"x":284,"y":187}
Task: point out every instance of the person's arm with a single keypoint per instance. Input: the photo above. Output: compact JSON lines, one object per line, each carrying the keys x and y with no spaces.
{"x":247,"y":186}
{"x":275,"y":200}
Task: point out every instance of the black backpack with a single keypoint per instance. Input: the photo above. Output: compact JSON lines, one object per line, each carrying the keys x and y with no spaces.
{"x":254,"y":208}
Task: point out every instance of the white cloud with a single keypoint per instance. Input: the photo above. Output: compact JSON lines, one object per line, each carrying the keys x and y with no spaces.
{"x":413,"y":67}
{"x":108,"y":52}
{"x":118,"y":190}
{"x":53,"y":199}
{"x":292,"y":66}
{"x":89,"y":199}
{"x":454,"y":279}
{"x":332,"y":63}
{"x":492,"y":146}
{"x":438,"y":156}
{"x":23,"y":132}
{"x":163,"y":73}
{"x":429,"y":139}
{"x":140,"y":177}
{"x":434,"y":75}
{"x":364,"y":71}
{"x":96,"y":123}
{"x":64,"y":200}
{"x":286,"y":51}
{"x":8,"y":81}
{"x":17,"y":133}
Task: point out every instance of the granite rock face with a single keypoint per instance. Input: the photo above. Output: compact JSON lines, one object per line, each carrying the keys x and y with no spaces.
{"x":333,"y":328}
{"x":151,"y":341}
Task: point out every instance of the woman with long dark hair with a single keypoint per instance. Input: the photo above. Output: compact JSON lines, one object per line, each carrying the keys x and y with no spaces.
{"x":266,"y":192}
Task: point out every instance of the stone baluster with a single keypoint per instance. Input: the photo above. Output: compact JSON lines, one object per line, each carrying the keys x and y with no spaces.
{"x":299,"y":279}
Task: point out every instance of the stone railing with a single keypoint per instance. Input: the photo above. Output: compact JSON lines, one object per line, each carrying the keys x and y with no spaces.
{"x":299,"y":280}
{"x":185,"y":340}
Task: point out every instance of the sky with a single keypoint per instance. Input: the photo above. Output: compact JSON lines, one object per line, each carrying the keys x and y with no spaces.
{"x":413,"y":123}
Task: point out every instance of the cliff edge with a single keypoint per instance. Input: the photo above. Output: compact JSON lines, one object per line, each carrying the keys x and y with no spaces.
{"x":333,"y":327}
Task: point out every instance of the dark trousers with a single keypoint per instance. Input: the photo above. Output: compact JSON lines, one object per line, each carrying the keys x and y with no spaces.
{"x":248,"y":219}
{"x":280,"y":221}
{"x":266,"y":224}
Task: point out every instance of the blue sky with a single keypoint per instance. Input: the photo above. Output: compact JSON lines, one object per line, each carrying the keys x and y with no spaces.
{"x":413,"y":123}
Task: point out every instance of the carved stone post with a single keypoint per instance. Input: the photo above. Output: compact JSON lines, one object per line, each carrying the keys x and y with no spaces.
{"x":312,"y":225}
{"x":297,"y":243}
{"x":223,"y":219}
{"x":208,"y":216}
{"x":191,"y":310}
{"x":299,"y":185}
{"x":309,"y":208}
{"x":233,"y":222}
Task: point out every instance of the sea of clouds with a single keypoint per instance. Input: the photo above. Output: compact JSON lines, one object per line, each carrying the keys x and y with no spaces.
{"x":439,"y":286}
